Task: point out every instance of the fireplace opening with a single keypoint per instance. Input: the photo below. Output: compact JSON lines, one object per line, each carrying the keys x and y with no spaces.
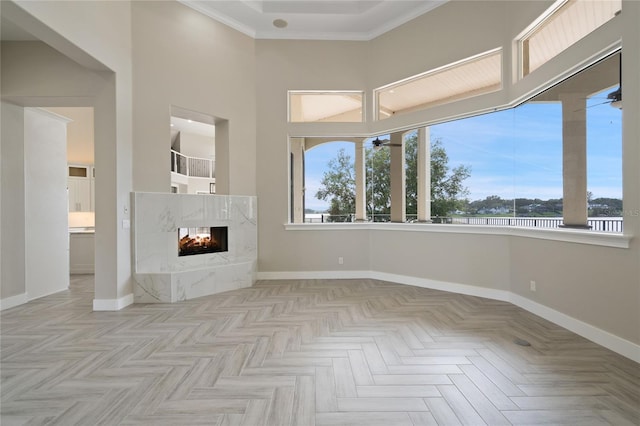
{"x":202,"y":240}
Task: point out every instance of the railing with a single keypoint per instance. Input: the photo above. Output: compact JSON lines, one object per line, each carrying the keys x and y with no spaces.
{"x":602,"y":224}
{"x":192,"y":166}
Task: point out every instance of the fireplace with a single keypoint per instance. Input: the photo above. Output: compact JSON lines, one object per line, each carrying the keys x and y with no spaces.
{"x":202,"y":240}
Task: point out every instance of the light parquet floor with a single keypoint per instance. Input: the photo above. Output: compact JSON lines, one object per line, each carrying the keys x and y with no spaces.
{"x":305,"y":352}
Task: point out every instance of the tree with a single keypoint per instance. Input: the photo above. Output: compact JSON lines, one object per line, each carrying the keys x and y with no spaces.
{"x":378,"y":164}
{"x":447,"y":190}
{"x":339,"y":187}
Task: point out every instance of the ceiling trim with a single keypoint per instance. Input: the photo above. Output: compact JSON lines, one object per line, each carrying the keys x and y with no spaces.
{"x":236,"y":25}
{"x":289,"y":34}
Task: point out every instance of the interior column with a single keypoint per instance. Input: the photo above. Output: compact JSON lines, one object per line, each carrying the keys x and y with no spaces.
{"x":424,"y":175}
{"x":361,"y":195}
{"x":398,"y":184}
{"x":297,"y":180}
{"x":574,"y":160}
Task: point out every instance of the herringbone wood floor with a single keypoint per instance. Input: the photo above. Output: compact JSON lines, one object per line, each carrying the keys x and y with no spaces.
{"x":305,"y":352}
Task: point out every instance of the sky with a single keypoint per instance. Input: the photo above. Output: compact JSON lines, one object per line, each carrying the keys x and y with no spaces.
{"x":512,"y":153}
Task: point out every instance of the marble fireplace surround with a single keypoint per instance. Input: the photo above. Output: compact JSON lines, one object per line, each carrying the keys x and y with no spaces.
{"x":161,"y":276}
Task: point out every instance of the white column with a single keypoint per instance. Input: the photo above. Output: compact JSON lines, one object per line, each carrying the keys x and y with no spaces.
{"x":45,"y":167}
{"x":297,"y":184}
{"x":361,"y":188}
{"x":398,"y":185}
{"x":574,"y":160}
{"x":424,"y":175}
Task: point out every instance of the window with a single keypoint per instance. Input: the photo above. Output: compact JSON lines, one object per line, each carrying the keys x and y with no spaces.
{"x":473,"y":76}
{"x":516,"y":156}
{"x":504,"y":168}
{"x":566,"y":22}
{"x":331,"y":107}
{"x":329,"y":181}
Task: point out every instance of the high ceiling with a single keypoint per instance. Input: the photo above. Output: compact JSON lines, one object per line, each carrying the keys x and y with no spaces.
{"x":313,"y":19}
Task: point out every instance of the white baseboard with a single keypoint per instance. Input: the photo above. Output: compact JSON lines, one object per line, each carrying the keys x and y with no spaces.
{"x":11,"y":301}
{"x":471,"y":290}
{"x":313,"y":275}
{"x":581,"y":328}
{"x":112,"y":304}
{"x":82,"y":269}
{"x":604,"y":338}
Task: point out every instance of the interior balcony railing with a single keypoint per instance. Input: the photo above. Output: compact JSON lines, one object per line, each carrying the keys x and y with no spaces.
{"x":192,"y":166}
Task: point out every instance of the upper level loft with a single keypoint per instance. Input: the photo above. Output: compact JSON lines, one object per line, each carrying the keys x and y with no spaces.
{"x":193,"y":164}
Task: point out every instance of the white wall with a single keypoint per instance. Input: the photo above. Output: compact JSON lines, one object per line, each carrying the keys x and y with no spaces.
{"x":597,"y":285}
{"x":301,"y":65}
{"x":97,"y":37}
{"x":187,"y":60}
{"x":194,"y":145}
{"x":46,"y":204}
{"x":80,"y":133}
{"x":34,"y":240}
{"x":12,"y":244}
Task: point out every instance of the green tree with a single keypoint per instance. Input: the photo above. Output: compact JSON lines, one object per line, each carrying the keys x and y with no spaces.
{"x":448,"y":192}
{"x":378,"y":164}
{"x":339,"y":187}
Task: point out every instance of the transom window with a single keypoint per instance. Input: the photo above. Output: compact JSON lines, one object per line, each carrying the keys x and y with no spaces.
{"x":564,"y":23}
{"x":463,"y":79}
{"x":325,"y":106}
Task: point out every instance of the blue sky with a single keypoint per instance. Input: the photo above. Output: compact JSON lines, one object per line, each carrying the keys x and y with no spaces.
{"x":513,"y":153}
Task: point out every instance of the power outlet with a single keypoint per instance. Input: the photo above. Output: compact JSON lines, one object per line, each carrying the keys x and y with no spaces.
{"x":340,"y":260}
{"x":532,"y":285}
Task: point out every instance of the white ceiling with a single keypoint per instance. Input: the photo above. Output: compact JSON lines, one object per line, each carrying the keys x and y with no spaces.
{"x":306,"y":19}
{"x":314,"y":19}
{"x":190,"y":126}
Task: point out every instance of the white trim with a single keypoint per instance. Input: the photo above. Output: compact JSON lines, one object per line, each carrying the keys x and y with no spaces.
{"x":47,"y":113}
{"x":581,"y":328}
{"x":236,"y":25}
{"x":471,"y":290}
{"x":82,"y":269}
{"x":314,"y":275}
{"x":601,"y":337}
{"x":29,"y":298}
{"x":12,"y":301}
{"x":112,"y":304}
{"x":277,"y":34}
{"x":563,"y":235}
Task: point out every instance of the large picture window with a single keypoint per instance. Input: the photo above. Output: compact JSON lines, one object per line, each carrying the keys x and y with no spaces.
{"x":514,"y":167}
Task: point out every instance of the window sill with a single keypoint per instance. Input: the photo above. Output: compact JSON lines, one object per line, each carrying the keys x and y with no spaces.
{"x":604,"y":239}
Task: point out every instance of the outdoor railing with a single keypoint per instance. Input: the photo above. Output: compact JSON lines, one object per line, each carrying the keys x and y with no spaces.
{"x":602,"y":224}
{"x":192,"y":166}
